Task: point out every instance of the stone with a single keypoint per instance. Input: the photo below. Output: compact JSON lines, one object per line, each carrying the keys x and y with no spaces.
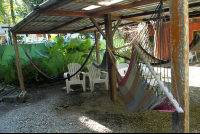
{"x":22,"y":96}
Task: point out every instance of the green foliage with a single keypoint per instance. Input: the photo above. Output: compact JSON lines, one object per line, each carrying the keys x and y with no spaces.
{"x":66,"y":52}
{"x":31,"y":74}
{"x":53,"y":64}
{"x":9,"y":72}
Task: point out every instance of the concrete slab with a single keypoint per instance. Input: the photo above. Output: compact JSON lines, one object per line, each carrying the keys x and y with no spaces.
{"x":10,"y":98}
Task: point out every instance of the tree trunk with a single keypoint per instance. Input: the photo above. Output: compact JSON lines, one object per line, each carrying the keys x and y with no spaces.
{"x":12,"y":11}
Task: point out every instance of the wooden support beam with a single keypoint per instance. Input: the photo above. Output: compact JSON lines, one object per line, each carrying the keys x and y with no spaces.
{"x":54,"y":26}
{"x":103,"y":5}
{"x":111,"y":68}
{"x":98,"y":27}
{"x":97,"y":46}
{"x":19,"y":70}
{"x":129,"y":5}
{"x":65,"y":24}
{"x":86,"y":28}
{"x":52,"y":32}
{"x":68,"y":13}
{"x":165,"y":10}
{"x":60,"y":21}
{"x":179,"y":44}
{"x":118,"y":23}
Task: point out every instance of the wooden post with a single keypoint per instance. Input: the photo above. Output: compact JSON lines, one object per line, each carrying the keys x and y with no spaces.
{"x":179,"y":41}
{"x":111,"y":69}
{"x":19,"y":70}
{"x":97,"y":47}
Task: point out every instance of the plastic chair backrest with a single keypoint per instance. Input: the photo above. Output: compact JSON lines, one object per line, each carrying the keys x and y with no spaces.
{"x":73,"y":68}
{"x":40,"y":39}
{"x":93,"y":71}
{"x":122,"y":65}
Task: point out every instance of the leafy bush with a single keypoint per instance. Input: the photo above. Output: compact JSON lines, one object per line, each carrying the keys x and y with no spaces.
{"x":67,"y":52}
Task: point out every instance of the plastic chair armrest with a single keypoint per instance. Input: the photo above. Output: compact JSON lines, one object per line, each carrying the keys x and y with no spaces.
{"x":65,"y":75}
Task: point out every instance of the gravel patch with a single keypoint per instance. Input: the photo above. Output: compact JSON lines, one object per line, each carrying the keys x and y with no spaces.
{"x":49,"y":109}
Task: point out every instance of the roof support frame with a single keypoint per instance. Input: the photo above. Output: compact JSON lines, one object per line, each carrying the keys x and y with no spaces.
{"x":65,"y":24}
{"x":37,"y":12}
{"x":132,"y":4}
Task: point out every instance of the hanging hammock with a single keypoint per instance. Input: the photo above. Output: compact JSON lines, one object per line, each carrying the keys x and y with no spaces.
{"x":139,"y":94}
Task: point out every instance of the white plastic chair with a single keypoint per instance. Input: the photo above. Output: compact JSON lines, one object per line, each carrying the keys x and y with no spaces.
{"x":28,"y":40}
{"x":94,"y":76}
{"x":122,"y":68}
{"x":72,"y":68}
{"x":192,"y":54}
{"x":40,"y":39}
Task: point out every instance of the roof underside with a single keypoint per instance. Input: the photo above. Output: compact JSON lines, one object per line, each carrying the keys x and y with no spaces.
{"x":68,"y":16}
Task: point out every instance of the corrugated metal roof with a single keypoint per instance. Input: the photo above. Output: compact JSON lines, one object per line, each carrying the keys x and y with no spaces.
{"x":68,"y":15}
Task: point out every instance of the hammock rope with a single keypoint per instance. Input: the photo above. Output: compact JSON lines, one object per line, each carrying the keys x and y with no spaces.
{"x":55,"y":77}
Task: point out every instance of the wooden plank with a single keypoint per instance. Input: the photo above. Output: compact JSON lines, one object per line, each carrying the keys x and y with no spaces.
{"x":65,"y":24}
{"x":60,"y":21}
{"x":98,"y":27}
{"x":111,"y":69}
{"x":179,"y":44}
{"x":165,"y":10}
{"x":19,"y":70}
{"x":86,"y":28}
{"x":54,"y":26}
{"x":98,"y":4}
{"x":118,"y":23}
{"x":97,"y":46}
{"x":53,"y":32}
{"x":129,"y":5}
{"x":63,"y":12}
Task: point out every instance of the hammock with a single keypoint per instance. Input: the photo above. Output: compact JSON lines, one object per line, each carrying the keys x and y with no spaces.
{"x":54,"y":77}
{"x":103,"y":65}
{"x":138,"y":94}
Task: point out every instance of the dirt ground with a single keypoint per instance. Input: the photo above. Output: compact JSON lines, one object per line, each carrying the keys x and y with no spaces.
{"x":98,"y":107}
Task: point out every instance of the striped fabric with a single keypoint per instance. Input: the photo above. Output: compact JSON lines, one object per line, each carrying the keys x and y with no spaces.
{"x":137,"y":94}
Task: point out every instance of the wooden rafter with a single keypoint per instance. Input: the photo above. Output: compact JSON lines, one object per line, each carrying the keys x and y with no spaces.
{"x":90,"y":27}
{"x":165,"y":10}
{"x":129,"y":5}
{"x":61,"y":21}
{"x":65,"y":24}
{"x":53,"y":32}
{"x":54,"y":26}
{"x":118,"y":23}
{"x":98,"y":27}
{"x":63,"y":12}
{"x":97,"y":4}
